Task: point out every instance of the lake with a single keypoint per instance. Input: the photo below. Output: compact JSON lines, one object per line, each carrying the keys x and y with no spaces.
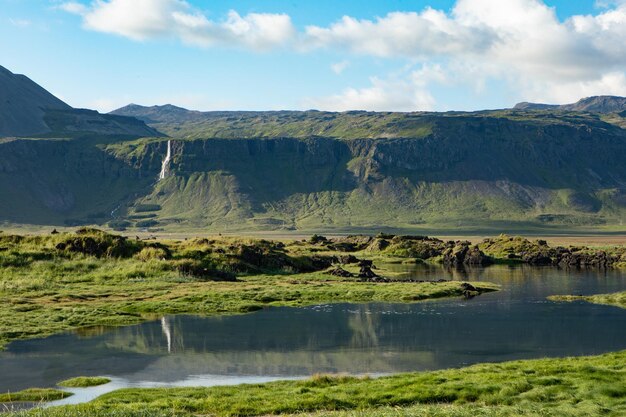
{"x":376,"y":339}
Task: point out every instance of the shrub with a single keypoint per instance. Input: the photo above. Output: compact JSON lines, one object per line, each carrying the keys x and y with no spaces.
{"x":97,"y":243}
{"x":150,"y":252}
{"x":141,"y":208}
{"x":146,"y":223}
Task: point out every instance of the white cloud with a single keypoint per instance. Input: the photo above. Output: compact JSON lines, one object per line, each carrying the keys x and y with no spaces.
{"x":613,"y":83}
{"x":20,"y":23}
{"x":408,"y":34}
{"x":73,"y":7}
{"x":521,"y":42}
{"x":339,"y":67}
{"x":142,"y":20}
{"x":397,"y":92}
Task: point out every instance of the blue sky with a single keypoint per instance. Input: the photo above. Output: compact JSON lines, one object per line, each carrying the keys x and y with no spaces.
{"x":336,"y":55}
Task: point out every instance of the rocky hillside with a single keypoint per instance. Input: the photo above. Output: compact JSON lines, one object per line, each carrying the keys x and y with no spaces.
{"x":470,"y":170}
{"x":508,"y":170}
{"x":315,"y":171}
{"x":597,"y":104}
{"x":27,"y":109}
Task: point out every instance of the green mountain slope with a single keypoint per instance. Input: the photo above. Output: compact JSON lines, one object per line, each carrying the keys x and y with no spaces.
{"x":483,"y":170}
{"x":287,"y":170}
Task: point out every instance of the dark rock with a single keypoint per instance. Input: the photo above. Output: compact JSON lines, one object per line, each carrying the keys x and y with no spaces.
{"x":340,"y":272}
{"x":464,"y":254}
{"x":317,"y":239}
{"x":366,"y":270}
{"x":537,"y":259}
{"x":347,"y":259}
{"x":378,"y":245}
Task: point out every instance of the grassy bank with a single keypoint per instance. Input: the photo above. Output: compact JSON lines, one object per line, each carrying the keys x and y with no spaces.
{"x":586,"y":386}
{"x":34,"y":395}
{"x":55,"y":283}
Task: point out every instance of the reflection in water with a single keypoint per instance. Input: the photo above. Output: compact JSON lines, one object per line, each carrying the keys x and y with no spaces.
{"x":514,"y":323}
{"x":165,"y":326}
{"x":364,"y":326}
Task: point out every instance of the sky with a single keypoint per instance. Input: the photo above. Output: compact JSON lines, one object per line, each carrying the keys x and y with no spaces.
{"x":392,"y":55}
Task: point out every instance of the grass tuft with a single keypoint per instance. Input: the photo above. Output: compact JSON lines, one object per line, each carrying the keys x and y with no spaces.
{"x":84,"y":381}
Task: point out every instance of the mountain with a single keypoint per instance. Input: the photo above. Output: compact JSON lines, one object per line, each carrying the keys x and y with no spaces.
{"x":23,"y":105}
{"x":315,"y":171}
{"x":27,"y":109}
{"x":597,"y":104}
{"x":535,"y":106}
{"x":158,"y":114}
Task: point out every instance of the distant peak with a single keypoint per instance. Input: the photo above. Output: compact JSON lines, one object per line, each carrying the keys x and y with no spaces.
{"x":594,"y":104}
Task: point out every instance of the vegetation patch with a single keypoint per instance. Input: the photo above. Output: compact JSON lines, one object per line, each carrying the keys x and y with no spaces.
{"x":84,"y":381}
{"x":142,"y":208}
{"x":34,"y":395}
{"x":616,"y":299}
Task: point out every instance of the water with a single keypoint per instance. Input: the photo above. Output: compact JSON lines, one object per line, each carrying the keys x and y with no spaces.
{"x":279,"y":343}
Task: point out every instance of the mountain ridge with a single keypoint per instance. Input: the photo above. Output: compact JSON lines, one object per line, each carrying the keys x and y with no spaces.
{"x":27,"y":109}
{"x":594,"y":104}
{"x":23,"y":105}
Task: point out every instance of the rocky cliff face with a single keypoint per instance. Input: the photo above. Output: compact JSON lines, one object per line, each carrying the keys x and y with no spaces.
{"x":62,"y":182}
{"x":470,"y":169}
{"x":462,"y":170}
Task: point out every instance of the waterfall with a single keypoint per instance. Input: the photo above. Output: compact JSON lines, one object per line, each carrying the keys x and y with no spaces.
{"x":166,"y":162}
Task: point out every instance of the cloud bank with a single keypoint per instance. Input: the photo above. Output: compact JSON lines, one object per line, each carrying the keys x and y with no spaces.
{"x":520,"y":42}
{"x":142,"y":20}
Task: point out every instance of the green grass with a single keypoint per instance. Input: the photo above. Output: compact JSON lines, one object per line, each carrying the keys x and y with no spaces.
{"x":589,"y":386}
{"x":34,"y":395}
{"x":616,"y":299}
{"x":84,"y":381}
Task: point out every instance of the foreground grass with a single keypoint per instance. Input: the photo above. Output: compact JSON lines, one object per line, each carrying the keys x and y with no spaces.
{"x":616,"y":299}
{"x":34,"y":395}
{"x":84,"y":381}
{"x":586,"y":386}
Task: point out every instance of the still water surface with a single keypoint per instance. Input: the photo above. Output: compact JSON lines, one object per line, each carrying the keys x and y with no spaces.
{"x":278,"y":343}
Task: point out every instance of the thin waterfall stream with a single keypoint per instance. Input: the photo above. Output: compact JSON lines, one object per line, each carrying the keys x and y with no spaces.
{"x":166,"y":162}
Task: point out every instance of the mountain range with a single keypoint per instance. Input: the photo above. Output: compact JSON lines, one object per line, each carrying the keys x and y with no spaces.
{"x":533,"y":167}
